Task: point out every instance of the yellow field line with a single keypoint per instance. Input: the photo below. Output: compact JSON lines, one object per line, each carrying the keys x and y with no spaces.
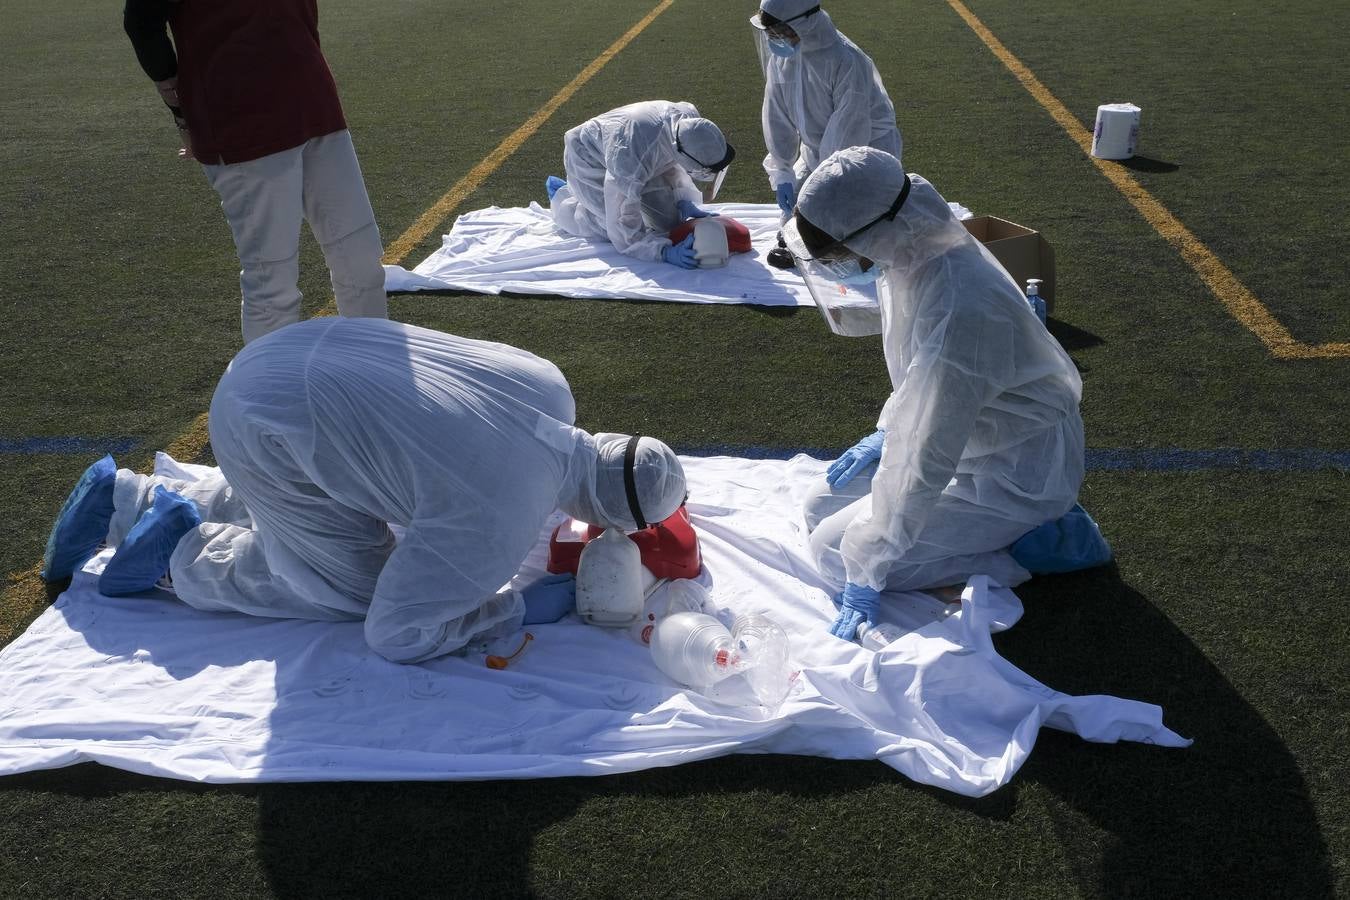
{"x":1240,"y":302}
{"x":24,"y":590}
{"x":441,"y":209}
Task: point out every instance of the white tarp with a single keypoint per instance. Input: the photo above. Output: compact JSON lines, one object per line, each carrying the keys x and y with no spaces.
{"x":150,"y":685}
{"x":518,"y":250}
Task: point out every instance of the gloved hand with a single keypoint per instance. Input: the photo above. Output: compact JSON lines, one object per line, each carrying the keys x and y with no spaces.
{"x":787,"y":197}
{"x":855,"y":459}
{"x":688,"y":209}
{"x":857,"y":604}
{"x":681,"y":254}
{"x":549,"y":599}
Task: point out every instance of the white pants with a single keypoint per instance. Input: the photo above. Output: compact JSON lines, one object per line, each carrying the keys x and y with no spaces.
{"x":297,"y":554}
{"x":961,"y":538}
{"x":265,"y":201}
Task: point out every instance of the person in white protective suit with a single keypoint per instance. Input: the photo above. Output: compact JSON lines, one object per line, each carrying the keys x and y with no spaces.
{"x":329,"y":431}
{"x":980,"y":441}
{"x":821,"y":94}
{"x":631,"y":176}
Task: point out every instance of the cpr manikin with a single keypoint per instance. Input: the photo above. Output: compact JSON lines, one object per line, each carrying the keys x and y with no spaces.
{"x":981,"y":440}
{"x":821,"y":94}
{"x":631,"y":175}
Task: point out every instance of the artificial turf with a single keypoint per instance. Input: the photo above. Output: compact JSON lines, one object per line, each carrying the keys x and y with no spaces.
{"x":1224,"y":606}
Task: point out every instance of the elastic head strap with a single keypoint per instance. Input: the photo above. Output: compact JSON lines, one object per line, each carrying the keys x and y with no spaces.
{"x":711,"y":167}
{"x":835,"y":243}
{"x":630,"y":482}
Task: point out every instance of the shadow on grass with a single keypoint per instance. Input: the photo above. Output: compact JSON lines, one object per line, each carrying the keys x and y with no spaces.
{"x":1230,"y":816}
{"x":1145,"y":164}
{"x":1071,"y":337}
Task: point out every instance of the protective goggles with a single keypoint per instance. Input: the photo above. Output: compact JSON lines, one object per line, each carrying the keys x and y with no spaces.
{"x":705,"y":171}
{"x":836,"y":251}
{"x":774,"y":27}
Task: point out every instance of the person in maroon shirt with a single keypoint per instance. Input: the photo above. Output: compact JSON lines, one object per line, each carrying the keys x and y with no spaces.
{"x":255,"y":103}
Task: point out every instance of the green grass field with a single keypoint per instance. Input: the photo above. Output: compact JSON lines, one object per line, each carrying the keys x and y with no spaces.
{"x":1226,"y":605}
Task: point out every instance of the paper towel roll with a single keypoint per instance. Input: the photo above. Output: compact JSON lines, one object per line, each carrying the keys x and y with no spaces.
{"x":1117,"y":131}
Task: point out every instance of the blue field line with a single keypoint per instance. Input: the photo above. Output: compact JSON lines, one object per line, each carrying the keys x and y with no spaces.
{"x":32,"y":446}
{"x":1111,"y":460}
{"x":1230,"y":459}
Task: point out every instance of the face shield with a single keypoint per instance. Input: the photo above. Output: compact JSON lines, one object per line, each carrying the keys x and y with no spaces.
{"x":707,"y":175}
{"x":849,"y":309}
{"x":841,"y":282}
{"x":777,"y":36}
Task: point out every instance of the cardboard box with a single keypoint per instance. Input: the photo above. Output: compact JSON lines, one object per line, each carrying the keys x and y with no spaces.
{"x":1024,"y":252}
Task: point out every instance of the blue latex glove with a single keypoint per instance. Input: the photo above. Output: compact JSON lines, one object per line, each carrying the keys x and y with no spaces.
{"x":549,"y":599}
{"x":681,"y":254}
{"x":855,"y":459}
{"x":688,"y":209}
{"x":787,"y":197}
{"x":857,"y":604}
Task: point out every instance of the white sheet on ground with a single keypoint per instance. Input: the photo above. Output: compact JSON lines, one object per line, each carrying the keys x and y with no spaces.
{"x":150,"y":685}
{"x":518,"y":250}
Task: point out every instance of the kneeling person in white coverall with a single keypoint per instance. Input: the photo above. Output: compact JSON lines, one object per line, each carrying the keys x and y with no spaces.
{"x":981,"y":440}
{"x":821,"y":94}
{"x":329,"y":431}
{"x":631,"y":176}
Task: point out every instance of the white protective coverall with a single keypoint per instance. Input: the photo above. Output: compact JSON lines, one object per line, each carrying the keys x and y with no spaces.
{"x":983,"y":436}
{"x":828,"y":96}
{"x":624,"y":175}
{"x":329,"y":430}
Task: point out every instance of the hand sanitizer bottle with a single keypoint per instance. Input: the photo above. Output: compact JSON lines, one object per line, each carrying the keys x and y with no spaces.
{"x":1035,"y":299}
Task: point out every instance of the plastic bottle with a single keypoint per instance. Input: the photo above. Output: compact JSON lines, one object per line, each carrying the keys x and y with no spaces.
{"x":876,"y":635}
{"x":1035,"y":299}
{"x":609,"y":581}
{"x":694,"y":649}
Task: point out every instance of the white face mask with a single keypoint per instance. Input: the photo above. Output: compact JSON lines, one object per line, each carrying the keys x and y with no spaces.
{"x":781,"y":48}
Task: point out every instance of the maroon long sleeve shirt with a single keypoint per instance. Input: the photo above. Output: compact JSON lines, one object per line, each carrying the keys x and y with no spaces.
{"x":252,"y":80}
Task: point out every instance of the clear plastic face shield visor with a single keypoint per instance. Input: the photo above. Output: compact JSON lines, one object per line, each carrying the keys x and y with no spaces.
{"x":708,"y":176}
{"x":777,"y":36}
{"x":841,"y":282}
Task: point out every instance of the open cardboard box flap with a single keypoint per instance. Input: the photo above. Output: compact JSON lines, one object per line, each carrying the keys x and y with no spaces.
{"x":1024,"y":252}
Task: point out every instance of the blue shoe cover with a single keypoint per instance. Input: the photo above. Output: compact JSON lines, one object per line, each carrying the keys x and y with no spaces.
{"x":82,"y":523}
{"x":551,"y":184}
{"x":1068,"y":544}
{"x":143,"y":558}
